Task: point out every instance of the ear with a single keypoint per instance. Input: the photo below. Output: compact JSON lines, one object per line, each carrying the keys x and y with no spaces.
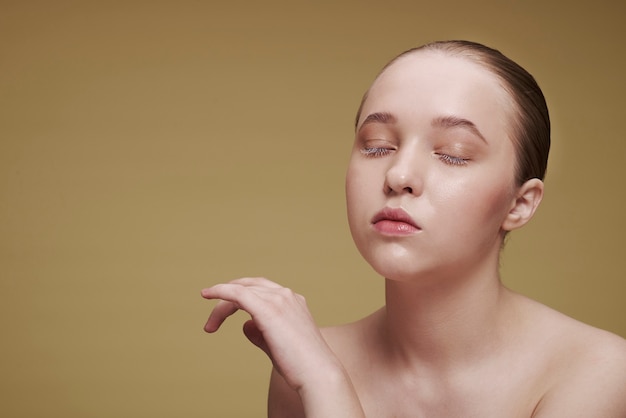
{"x":523,"y":208}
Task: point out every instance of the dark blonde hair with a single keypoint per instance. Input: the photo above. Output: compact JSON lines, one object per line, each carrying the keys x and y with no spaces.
{"x":531,"y":122}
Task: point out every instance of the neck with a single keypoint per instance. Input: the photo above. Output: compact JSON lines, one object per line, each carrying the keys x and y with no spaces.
{"x":444,"y":323}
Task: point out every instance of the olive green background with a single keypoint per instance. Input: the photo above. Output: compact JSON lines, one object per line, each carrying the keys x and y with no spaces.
{"x":152,"y":148}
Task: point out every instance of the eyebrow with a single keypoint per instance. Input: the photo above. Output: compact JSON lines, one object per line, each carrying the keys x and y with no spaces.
{"x":378,"y":117}
{"x":446,"y":122}
{"x":456,"y":122}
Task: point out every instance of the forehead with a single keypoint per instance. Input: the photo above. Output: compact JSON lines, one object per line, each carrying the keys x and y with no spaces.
{"x":431,"y":84}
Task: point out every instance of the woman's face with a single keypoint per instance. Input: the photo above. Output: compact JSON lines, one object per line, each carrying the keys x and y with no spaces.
{"x":431,"y":175}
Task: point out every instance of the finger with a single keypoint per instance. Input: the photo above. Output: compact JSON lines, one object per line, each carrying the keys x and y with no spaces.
{"x":243,"y":295}
{"x":222,"y":310}
{"x":255,"y":336}
{"x":233,"y":298}
{"x":256,"y":281}
{"x":220,"y":290}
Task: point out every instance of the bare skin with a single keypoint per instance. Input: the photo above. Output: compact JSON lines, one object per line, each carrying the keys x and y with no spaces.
{"x":279,"y":320}
{"x":529,"y":371}
{"x":431,"y":195}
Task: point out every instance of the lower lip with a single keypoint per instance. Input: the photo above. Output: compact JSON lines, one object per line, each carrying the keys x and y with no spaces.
{"x":388,"y":227}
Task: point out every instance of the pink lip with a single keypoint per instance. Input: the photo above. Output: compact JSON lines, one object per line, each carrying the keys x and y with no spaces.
{"x":390,"y":221}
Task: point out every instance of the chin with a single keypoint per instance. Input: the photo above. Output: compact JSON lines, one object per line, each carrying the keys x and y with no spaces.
{"x":390,"y":261}
{"x":399,"y":270}
{"x":409,"y":268}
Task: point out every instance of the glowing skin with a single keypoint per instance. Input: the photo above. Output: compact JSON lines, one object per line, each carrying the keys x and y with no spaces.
{"x":431,"y":193}
{"x":432,"y":141}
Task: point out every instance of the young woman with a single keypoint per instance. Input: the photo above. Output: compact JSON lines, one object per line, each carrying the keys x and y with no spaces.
{"x":450,"y":150}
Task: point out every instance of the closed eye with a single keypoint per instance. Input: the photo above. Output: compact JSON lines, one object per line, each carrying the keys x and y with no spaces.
{"x":452,"y":160}
{"x":373,"y":152}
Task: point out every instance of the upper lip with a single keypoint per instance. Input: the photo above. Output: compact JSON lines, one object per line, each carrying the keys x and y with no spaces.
{"x":394,"y":214}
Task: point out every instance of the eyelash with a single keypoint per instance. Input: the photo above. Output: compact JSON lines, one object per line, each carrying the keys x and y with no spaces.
{"x":450,"y":160}
{"x":373,"y":152}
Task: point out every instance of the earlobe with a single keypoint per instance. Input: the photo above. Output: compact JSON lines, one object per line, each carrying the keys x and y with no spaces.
{"x":523,"y":208}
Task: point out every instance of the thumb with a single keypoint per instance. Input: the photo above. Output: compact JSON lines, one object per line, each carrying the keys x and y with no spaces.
{"x":255,"y":336}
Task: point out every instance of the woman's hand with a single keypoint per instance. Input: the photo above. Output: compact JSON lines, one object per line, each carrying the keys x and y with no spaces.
{"x":282,"y":326}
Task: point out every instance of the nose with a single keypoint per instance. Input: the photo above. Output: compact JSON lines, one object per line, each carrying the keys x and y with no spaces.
{"x":405,"y":174}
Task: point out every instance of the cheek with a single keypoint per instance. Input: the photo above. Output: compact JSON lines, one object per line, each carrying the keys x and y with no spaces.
{"x":350,"y":185}
{"x":499,"y":191}
{"x":478,"y":202}
{"x":494,"y":205}
{"x":360,"y":182}
{"x":355,"y":184}
{"x":363,"y":198}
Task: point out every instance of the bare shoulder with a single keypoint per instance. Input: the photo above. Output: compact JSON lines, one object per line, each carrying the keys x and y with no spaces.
{"x":591,"y":346}
{"x":585,"y":368}
{"x":354,"y":343}
{"x":343,"y":337}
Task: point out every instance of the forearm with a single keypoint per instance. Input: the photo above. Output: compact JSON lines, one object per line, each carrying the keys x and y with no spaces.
{"x":330,"y":395}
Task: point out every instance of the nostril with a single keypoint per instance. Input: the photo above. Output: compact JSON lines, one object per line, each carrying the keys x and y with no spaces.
{"x":408,"y":189}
